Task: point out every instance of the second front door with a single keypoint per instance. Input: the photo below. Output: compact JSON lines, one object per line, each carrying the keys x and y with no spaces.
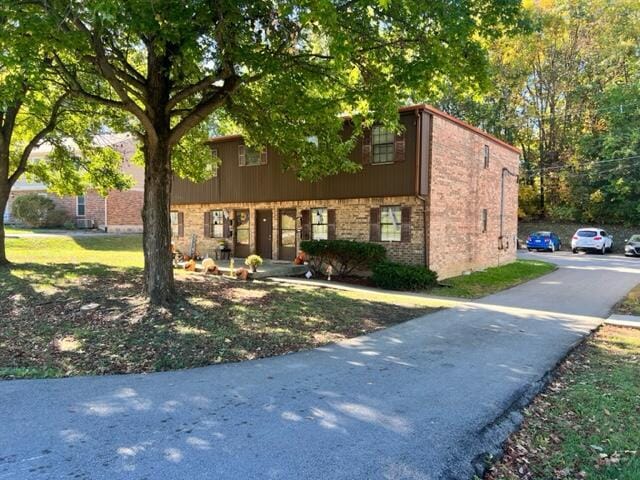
{"x":264,"y":227}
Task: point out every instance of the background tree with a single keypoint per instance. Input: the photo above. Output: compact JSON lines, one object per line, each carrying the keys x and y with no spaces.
{"x":562,"y":94}
{"x":35,"y":109}
{"x":283,"y":70}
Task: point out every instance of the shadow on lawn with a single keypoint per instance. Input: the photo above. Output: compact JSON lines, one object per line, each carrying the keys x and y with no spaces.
{"x":66,"y":319}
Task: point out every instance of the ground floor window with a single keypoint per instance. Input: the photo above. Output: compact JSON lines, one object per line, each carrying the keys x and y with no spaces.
{"x":319,"y":224}
{"x":217,"y":223}
{"x":175,"y":221}
{"x":485,"y":216}
{"x":390,"y":224}
{"x":80,"y":206}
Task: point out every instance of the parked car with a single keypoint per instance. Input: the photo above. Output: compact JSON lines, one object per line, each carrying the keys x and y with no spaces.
{"x":544,"y":241}
{"x":591,"y":240}
{"x":632,"y":246}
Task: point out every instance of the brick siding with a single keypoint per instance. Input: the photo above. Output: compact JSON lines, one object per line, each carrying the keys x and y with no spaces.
{"x":124,"y":211}
{"x":460,"y":188}
{"x":352,"y":223}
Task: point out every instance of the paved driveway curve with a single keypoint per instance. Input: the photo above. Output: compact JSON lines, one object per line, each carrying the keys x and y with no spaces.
{"x":422,"y":400}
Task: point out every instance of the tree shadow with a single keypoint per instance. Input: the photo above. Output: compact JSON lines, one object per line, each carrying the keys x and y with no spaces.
{"x":72,"y":319}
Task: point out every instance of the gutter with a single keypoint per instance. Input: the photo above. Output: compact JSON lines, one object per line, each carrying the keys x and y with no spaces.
{"x":425,"y":200}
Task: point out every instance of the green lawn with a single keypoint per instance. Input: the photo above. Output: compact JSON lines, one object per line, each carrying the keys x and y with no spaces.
{"x":72,"y":306}
{"x":586,"y":425}
{"x":630,"y":305}
{"x":491,"y":280}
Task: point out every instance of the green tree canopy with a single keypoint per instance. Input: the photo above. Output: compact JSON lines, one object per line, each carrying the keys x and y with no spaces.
{"x":282,"y":70}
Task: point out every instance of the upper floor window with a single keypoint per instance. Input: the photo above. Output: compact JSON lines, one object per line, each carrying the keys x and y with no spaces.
{"x":319,"y":224}
{"x":390,"y":224}
{"x":383,"y":145}
{"x":248,"y":156}
{"x":80,"y":206}
{"x":486,"y":156}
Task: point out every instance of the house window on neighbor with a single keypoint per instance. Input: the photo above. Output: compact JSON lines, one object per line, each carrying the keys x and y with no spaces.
{"x":486,"y":156}
{"x":485,"y":215}
{"x":80,"y":206}
{"x":390,"y":224}
{"x":319,"y":224}
{"x":217,"y":223}
{"x":383,"y":145}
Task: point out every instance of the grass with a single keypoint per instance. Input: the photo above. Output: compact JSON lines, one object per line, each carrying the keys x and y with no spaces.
{"x":629,"y":305}
{"x":491,"y":280}
{"x":73,"y":306}
{"x":586,"y":425}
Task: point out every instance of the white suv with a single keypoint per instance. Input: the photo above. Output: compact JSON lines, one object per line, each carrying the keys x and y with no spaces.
{"x":592,"y":239}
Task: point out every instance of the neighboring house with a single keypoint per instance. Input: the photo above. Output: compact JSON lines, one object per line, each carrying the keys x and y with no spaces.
{"x":117,"y":212}
{"x":442,"y":194}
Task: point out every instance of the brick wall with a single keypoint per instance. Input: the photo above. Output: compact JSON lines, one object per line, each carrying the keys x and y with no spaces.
{"x":124,"y":211}
{"x":352,"y":223}
{"x":460,"y":189}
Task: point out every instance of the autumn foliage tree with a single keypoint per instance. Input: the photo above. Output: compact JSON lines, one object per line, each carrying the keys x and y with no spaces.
{"x":282,"y":70}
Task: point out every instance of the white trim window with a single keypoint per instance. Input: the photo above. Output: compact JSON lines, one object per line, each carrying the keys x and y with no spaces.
{"x":81,"y":207}
{"x":391,"y":223}
{"x":319,"y":224}
{"x":383,"y":141}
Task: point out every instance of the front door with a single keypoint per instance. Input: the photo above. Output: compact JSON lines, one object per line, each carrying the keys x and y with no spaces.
{"x":264,"y":226}
{"x":241,"y":233}
{"x":287,"y":234}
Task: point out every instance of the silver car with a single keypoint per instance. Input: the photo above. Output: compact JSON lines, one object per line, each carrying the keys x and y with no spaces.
{"x":592,"y":240}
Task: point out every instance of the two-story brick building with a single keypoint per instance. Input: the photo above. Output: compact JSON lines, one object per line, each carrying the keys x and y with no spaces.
{"x":441,"y":193}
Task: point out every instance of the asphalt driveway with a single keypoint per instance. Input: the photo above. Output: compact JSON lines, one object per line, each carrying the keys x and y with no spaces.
{"x":427,"y":399}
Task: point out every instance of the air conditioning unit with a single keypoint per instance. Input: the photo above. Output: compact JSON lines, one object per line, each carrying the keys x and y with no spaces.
{"x":84,"y":223}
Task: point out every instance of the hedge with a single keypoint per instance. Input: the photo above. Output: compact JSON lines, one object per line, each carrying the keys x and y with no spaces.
{"x":399,"y":276}
{"x":344,"y":256}
{"x":37,"y":211}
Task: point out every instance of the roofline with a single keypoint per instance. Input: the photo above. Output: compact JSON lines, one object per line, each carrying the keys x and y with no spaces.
{"x":408,"y":108}
{"x":433,"y":110}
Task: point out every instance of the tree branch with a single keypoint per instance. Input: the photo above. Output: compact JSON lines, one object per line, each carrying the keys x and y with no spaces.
{"x":203,"y":109}
{"x":35,"y":141}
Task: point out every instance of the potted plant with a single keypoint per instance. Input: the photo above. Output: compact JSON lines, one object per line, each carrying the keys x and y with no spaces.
{"x":253,"y":261}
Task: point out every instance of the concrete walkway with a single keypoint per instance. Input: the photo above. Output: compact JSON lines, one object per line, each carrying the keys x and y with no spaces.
{"x":427,"y":399}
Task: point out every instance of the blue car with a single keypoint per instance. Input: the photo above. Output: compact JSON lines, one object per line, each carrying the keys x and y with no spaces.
{"x":544,"y":241}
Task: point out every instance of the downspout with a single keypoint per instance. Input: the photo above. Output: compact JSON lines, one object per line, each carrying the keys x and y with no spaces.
{"x":425,"y":204}
{"x":501,"y":245}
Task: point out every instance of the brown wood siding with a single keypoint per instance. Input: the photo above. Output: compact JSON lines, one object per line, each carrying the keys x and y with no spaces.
{"x":268,"y":182}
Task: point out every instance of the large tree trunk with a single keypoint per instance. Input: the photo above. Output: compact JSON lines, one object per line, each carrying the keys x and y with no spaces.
{"x":158,"y":265}
{"x":4,"y":199}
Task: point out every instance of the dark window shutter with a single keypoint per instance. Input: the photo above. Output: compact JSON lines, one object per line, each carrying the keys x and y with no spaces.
{"x":374,"y":225}
{"x":180,"y":224}
{"x":242,"y":159}
{"x":263,"y":157}
{"x":331,"y":227}
{"x":305,"y":223}
{"x":366,"y":146}
{"x":399,"y":147}
{"x":405,"y":232}
{"x":226,"y":230}
{"x":207,"y":224}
